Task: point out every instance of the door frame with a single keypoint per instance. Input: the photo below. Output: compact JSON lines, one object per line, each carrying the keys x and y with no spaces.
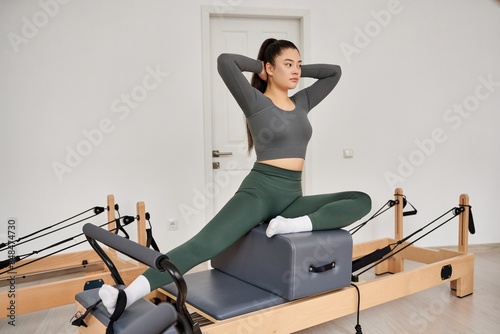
{"x":302,"y":15}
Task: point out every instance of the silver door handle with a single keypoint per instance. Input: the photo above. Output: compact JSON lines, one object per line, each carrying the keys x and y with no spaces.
{"x":216,"y":153}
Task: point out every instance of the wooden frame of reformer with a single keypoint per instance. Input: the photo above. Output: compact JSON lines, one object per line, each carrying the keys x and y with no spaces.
{"x":59,"y":267}
{"x":307,"y":312}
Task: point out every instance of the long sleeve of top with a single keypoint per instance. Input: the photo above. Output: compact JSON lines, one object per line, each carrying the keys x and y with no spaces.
{"x":276,"y":133}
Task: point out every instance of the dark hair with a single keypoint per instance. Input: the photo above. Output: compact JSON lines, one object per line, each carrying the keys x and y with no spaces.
{"x":269,"y":50}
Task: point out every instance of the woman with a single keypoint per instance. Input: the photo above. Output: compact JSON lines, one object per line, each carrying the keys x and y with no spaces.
{"x":279,"y":130}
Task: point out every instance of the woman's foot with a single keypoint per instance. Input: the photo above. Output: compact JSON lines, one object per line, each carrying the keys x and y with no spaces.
{"x":135,"y":291}
{"x":109,"y":297}
{"x":282,"y":225}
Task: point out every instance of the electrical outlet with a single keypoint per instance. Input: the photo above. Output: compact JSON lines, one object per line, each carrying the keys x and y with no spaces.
{"x":348,"y":153}
{"x":173,"y":224}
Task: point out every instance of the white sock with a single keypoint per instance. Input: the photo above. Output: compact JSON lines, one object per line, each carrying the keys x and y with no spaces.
{"x":135,"y":291}
{"x":108,"y":295}
{"x":281,"y":225}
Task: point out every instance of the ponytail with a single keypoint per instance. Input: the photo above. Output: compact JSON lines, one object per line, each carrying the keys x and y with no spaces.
{"x":269,"y":50}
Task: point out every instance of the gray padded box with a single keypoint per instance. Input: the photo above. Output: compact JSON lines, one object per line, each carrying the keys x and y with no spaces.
{"x":281,"y":264}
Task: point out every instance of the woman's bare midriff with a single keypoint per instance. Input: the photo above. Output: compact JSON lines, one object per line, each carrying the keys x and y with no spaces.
{"x":296,"y":164}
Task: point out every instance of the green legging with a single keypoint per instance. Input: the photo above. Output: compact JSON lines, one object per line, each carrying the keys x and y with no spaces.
{"x":265,"y":193}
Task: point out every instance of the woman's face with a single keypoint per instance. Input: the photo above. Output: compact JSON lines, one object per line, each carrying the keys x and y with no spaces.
{"x":286,"y":70}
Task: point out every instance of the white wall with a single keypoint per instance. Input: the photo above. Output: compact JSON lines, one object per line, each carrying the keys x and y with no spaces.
{"x":425,"y":63}
{"x":67,"y":66}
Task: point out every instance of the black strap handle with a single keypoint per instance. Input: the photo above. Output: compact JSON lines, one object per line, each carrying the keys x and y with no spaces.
{"x":408,"y":213}
{"x":121,"y":302}
{"x":322,"y":269}
{"x":9,"y":262}
{"x":472,"y":227}
{"x":370,"y":258}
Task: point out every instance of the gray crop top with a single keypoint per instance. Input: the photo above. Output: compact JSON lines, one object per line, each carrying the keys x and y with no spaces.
{"x":276,"y":133}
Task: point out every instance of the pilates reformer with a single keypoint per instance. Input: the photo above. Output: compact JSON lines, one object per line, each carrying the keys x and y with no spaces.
{"x":69,"y":271}
{"x":309,"y":278}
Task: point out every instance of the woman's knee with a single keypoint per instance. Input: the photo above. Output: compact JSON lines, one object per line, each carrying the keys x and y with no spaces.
{"x":364,"y":201}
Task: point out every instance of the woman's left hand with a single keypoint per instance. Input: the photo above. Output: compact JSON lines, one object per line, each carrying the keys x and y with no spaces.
{"x":263,"y":73}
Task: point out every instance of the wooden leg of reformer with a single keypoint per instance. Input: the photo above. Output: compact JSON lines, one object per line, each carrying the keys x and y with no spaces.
{"x":111,"y":212}
{"x":394,"y":264}
{"x":464,"y":286}
{"x":141,"y":223}
{"x":141,"y":219}
{"x":111,"y":217}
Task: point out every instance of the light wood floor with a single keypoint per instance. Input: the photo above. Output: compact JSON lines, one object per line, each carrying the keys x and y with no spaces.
{"x":433,"y":311}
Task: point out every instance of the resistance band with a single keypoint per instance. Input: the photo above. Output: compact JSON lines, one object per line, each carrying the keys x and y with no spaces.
{"x":389,"y":204}
{"x":6,"y":263}
{"x":383,"y":254}
{"x":97,"y":210}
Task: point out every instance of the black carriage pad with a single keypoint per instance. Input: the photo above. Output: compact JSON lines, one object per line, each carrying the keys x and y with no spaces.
{"x":222,"y":296}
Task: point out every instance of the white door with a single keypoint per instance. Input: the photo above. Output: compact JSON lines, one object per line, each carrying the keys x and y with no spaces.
{"x":241,"y":35}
